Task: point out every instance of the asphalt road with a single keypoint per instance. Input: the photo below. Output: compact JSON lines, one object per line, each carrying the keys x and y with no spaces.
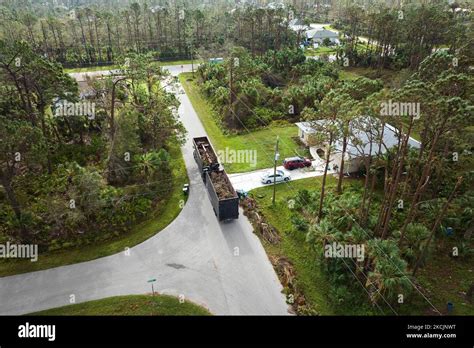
{"x":221,"y":266}
{"x":173,"y":70}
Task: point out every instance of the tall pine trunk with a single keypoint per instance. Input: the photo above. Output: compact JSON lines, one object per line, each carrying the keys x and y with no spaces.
{"x":323,"y":185}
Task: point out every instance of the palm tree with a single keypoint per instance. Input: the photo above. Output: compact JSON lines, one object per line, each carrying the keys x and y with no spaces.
{"x":151,"y":162}
{"x":388,"y":273}
{"x":148,"y":163}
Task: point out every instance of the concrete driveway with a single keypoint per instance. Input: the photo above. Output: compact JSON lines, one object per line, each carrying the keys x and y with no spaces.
{"x":251,"y":180}
{"x":221,"y":266}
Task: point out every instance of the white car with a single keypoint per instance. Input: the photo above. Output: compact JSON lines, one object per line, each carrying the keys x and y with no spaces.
{"x":268,"y":178}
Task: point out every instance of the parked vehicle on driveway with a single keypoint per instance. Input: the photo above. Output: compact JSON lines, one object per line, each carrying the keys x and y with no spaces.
{"x":296,"y":162}
{"x":280,"y":176}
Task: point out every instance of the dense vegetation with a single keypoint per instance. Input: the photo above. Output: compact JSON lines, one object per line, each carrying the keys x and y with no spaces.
{"x":386,"y":34}
{"x":73,"y":179}
{"x":262,"y":140}
{"x":70,"y":181}
{"x":413,"y":204}
{"x":250,"y":92}
{"x":402,"y":36}
{"x":92,"y":32}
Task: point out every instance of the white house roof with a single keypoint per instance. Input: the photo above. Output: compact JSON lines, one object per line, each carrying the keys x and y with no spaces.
{"x":359,"y":143}
{"x":305,"y":127}
{"x":321,"y":34}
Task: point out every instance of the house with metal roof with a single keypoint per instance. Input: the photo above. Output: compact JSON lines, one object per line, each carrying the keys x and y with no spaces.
{"x":364,"y":141}
{"x":320,"y":34}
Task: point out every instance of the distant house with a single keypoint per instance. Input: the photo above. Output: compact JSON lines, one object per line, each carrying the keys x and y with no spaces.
{"x":305,"y":132}
{"x":359,"y":145}
{"x":298,"y":25}
{"x":318,"y":35}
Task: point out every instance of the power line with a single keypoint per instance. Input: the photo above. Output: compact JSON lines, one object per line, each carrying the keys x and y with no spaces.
{"x":306,"y":202}
{"x":348,"y":215}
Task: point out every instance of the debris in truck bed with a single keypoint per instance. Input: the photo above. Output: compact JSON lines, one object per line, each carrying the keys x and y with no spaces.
{"x":224,"y":199}
{"x":205,"y":151}
{"x":222,"y":185}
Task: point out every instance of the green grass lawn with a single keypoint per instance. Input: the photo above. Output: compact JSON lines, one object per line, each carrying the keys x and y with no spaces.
{"x":330,"y":27}
{"x":362,"y":47}
{"x":129,"y":305}
{"x":161,"y":217}
{"x":352,"y":73}
{"x":446,"y":279}
{"x":320,"y":50}
{"x":263,"y":141}
{"x":346,"y":74}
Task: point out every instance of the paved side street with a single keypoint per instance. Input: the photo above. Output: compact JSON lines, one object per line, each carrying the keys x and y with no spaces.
{"x":221,"y":266}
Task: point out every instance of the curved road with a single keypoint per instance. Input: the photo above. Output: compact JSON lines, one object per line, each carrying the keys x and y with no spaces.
{"x":221,"y":266}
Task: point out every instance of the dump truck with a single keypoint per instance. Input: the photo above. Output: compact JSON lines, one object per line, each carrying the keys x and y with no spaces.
{"x":223,"y":197}
{"x":205,"y":156}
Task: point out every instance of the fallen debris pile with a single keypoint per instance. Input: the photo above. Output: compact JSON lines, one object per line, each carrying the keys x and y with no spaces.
{"x":267,"y":231}
{"x":282,"y":265}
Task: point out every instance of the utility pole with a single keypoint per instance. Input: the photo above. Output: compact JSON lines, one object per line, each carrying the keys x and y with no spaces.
{"x":192,"y":58}
{"x":231,"y":88}
{"x":275,"y":159}
{"x":231,"y":81}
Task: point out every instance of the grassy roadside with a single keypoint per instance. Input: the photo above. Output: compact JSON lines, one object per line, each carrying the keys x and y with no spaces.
{"x":161,"y":217}
{"x":443,"y":279}
{"x":263,"y":141}
{"x":129,"y":305}
{"x":309,"y":278}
